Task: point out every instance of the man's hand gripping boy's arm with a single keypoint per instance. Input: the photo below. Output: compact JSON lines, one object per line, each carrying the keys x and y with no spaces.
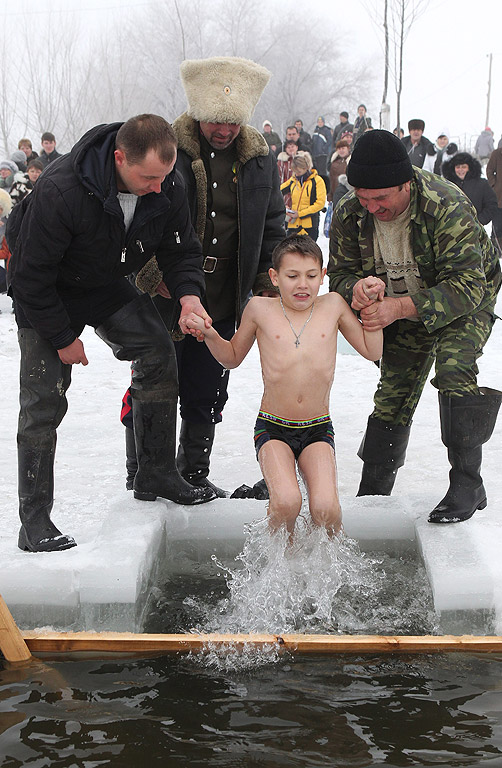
{"x":229,"y":353}
{"x":369,"y":343}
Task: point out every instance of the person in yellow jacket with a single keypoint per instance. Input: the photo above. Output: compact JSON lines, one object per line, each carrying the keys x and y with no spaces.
{"x":308,"y":195}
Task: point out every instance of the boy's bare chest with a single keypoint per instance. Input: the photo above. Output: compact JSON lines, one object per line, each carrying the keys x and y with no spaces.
{"x":306,"y":346}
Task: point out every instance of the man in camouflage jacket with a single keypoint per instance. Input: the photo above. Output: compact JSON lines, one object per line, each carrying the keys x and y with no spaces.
{"x":421,"y":236}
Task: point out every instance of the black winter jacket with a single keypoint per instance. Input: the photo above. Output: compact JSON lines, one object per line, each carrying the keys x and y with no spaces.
{"x":72,"y":236}
{"x":473,"y":186}
{"x":417,"y":154}
{"x":46,"y":159}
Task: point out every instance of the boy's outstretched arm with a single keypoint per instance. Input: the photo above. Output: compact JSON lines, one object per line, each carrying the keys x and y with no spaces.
{"x":369,"y":344}
{"x":229,"y":353}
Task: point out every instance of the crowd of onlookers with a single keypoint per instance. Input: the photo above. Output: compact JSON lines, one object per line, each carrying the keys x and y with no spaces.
{"x":312,"y":170}
{"x":312,"y":167}
{"x":18,"y":176}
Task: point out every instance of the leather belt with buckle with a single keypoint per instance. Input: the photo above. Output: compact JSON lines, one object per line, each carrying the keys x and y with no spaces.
{"x":209,"y":264}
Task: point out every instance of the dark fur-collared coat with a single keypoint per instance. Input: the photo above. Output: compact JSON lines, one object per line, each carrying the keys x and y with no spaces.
{"x":473,"y":185}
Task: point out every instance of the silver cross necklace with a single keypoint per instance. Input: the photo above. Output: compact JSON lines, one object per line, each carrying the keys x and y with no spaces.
{"x":297,"y":335}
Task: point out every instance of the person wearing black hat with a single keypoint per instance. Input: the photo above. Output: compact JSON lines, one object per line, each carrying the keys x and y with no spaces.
{"x":342,"y":127}
{"x":417,"y":145}
{"x":419,"y":234}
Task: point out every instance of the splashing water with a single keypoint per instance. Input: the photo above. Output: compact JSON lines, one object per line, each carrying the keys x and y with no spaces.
{"x":231,"y":657}
{"x":317,"y":584}
{"x":283,"y":587}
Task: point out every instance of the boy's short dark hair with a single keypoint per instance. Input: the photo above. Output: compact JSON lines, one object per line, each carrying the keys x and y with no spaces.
{"x":24,"y":143}
{"x":140,"y":134}
{"x":48,"y":136}
{"x":36,"y":163}
{"x":301,"y":244}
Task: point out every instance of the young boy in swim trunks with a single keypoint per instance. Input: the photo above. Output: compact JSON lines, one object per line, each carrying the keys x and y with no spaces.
{"x":297,"y":336}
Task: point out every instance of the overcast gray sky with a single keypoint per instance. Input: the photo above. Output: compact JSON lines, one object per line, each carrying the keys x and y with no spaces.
{"x":446,"y":54}
{"x":446,"y":65}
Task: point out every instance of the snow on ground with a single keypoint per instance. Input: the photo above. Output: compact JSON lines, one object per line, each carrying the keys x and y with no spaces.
{"x":110,"y":526}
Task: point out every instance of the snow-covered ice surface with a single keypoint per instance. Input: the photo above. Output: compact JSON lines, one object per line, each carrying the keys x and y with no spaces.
{"x":104,"y":581}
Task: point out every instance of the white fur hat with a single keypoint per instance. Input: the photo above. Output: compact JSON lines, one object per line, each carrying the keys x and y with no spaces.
{"x":224,"y":89}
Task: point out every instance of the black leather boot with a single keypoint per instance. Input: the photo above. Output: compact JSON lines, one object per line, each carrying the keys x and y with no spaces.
{"x":44,"y":381}
{"x":131,"y":460}
{"x":194,"y":454}
{"x":157,"y":474}
{"x":136,"y":332}
{"x":383,"y":450}
{"x":466,"y":423}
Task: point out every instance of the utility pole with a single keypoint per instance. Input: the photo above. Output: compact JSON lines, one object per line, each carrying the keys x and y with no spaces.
{"x":385,"y":109}
{"x":487,"y":121}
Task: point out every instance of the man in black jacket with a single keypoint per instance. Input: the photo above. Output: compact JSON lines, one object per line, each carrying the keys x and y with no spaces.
{"x":49,"y":152}
{"x":95,"y":216}
{"x":417,"y":145}
{"x":343,"y":127}
{"x":238,"y":213}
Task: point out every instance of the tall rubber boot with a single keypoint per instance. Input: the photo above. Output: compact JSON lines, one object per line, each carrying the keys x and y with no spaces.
{"x":36,"y":497}
{"x":467,"y":423}
{"x":131,"y":460}
{"x":136,"y":332}
{"x":44,"y":381}
{"x":194,"y":453}
{"x":383,"y":450}
{"x":158,"y":475}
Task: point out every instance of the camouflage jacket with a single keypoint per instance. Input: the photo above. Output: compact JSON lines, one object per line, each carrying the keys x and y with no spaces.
{"x":456,"y":259}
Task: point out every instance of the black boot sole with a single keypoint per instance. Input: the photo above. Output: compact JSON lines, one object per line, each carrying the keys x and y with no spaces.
{"x":447,"y":517}
{"x":57,"y":544}
{"x":146,"y":496}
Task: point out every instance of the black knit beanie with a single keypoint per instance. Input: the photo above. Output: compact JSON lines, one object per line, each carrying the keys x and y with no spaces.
{"x":379,"y":160}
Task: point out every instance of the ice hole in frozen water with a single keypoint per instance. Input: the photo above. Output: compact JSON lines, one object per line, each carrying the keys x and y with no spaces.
{"x":317,"y":584}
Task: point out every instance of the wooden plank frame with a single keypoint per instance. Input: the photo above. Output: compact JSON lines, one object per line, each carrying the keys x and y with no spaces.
{"x":145,"y":644}
{"x":16,"y":645}
{"x":12,"y":644}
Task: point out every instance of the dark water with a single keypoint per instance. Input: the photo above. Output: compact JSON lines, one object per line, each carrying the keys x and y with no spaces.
{"x":302,"y":711}
{"x":260,"y":708}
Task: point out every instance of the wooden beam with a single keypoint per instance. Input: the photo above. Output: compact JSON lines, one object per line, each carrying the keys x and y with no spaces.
{"x":12,"y":644}
{"x":144,"y":644}
{"x":128,"y":642}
